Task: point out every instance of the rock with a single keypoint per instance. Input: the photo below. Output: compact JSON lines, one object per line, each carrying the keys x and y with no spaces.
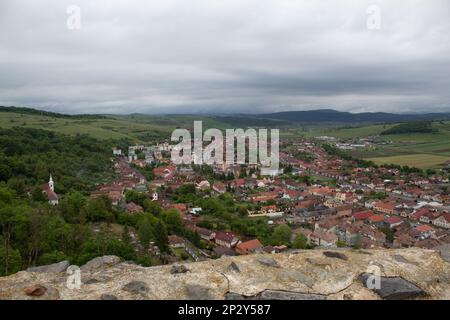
{"x":402,"y":259}
{"x":233,"y":266}
{"x":51,"y":268}
{"x":303,"y":277}
{"x":35,"y":291}
{"x":336,"y":255}
{"x":197,"y":292}
{"x":91,"y":281}
{"x":268,"y":262}
{"x":178,"y":269}
{"x":136,"y":287}
{"x":395,"y":288}
{"x":100,"y":262}
{"x":233,"y":296}
{"x":106,"y":296}
{"x":276,"y":295}
{"x":444,"y":251}
{"x":288,"y":295}
{"x":273,"y":276}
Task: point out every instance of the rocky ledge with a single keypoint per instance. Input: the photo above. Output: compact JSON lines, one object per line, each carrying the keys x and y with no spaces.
{"x":317,"y":274}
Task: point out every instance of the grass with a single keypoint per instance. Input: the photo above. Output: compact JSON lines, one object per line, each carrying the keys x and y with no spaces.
{"x":419,"y":160}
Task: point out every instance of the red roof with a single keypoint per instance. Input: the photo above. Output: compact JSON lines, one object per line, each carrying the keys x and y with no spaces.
{"x":225,"y":236}
{"x":376,"y":218}
{"x":393,"y":220}
{"x":254,"y":244}
{"x":363,"y":215}
{"x":424,"y":228}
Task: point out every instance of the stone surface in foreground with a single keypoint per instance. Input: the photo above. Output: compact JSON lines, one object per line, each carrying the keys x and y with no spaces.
{"x":332,"y":274}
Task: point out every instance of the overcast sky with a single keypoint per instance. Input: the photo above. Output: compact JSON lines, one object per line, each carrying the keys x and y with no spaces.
{"x":185,"y":56}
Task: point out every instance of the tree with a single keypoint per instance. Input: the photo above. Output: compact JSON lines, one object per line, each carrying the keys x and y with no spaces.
{"x":300,"y":242}
{"x":172,"y":218}
{"x":10,"y":260}
{"x":145,"y":231}
{"x":37,"y":195}
{"x":281,"y":235}
{"x":72,"y":206}
{"x":99,"y":209}
{"x":161,"y":237}
{"x":104,"y":244}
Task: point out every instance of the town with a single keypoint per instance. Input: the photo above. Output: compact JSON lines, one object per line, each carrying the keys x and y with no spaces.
{"x":319,"y":200}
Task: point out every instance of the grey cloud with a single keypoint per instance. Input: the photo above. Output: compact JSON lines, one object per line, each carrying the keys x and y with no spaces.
{"x":185,"y":56}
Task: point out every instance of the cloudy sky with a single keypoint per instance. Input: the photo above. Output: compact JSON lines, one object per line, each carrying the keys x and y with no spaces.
{"x":220,"y":56}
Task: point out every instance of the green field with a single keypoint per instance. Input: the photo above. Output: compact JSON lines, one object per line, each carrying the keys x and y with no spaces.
{"x":422,"y":150}
{"x":419,"y":160}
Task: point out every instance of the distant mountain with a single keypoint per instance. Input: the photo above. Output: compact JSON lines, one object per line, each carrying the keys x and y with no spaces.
{"x":329,"y":115}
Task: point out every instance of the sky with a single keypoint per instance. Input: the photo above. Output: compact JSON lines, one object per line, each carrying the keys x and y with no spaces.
{"x":225,"y":56}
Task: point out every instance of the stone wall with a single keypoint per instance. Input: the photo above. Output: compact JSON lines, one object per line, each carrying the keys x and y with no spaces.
{"x":334,"y":274}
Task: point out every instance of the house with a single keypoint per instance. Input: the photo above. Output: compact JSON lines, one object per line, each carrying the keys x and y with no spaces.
{"x":384,"y":207}
{"x":226,"y":239}
{"x":176,"y":241}
{"x":443,"y":221}
{"x":376,"y":219}
{"x":403,"y":240}
{"x":424,"y":231}
{"x":247,"y":247}
{"x":223,"y":251}
{"x":393,"y":222}
{"x":429,"y":216}
{"x":205,"y":234}
{"x":180,"y":207}
{"x":219,"y":187}
{"x":117,"y":152}
{"x":203,"y":185}
{"x":164,"y":172}
{"x":361,"y":216}
{"x":48,"y":190}
{"x":195,"y":211}
{"x":133,"y":208}
{"x":263,"y":197}
{"x":323,"y":238}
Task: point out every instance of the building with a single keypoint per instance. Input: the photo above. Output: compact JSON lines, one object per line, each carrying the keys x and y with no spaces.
{"x":49,"y":190}
{"x":176,"y":242}
{"x":133,"y":208}
{"x":323,"y":238}
{"x":384,"y":207}
{"x":443,"y":221}
{"x":248,"y":247}
{"x":393,"y":222}
{"x":226,"y":239}
{"x":117,"y":152}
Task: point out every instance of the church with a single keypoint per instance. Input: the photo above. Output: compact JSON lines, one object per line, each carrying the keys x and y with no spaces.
{"x":49,"y":190}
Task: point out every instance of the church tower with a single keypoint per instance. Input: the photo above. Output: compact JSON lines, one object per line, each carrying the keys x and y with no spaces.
{"x":51,"y":184}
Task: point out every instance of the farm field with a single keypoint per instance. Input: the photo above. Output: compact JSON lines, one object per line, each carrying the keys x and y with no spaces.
{"x":417,"y":160}
{"x":422,"y":150}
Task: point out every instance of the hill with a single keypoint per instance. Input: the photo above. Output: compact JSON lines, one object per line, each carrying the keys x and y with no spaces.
{"x":333,"y":116}
{"x":411,"y":127}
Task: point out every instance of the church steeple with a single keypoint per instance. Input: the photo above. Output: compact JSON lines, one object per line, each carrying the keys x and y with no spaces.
{"x":51,"y":184}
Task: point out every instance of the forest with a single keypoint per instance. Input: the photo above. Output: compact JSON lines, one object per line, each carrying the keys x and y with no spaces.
{"x":32,"y":232}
